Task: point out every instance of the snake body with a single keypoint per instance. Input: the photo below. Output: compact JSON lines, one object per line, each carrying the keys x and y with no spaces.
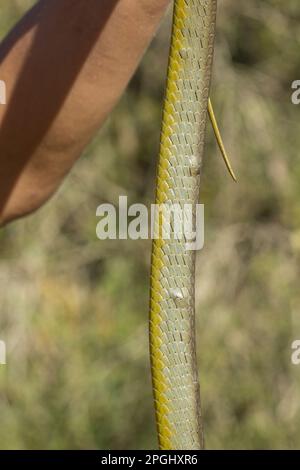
{"x":172,"y":296}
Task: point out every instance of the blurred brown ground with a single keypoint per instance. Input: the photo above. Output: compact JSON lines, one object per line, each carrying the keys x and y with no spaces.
{"x":74,"y":310}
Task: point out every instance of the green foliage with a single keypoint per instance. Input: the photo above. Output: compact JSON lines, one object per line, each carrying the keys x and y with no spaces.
{"x":74,"y":310}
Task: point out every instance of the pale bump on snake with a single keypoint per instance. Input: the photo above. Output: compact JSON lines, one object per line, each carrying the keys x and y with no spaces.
{"x":172,"y":291}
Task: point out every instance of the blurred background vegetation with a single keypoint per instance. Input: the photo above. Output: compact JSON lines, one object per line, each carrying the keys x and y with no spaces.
{"x":74,"y":310}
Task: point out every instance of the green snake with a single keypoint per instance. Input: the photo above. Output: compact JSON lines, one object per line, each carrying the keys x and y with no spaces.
{"x":172,"y":292}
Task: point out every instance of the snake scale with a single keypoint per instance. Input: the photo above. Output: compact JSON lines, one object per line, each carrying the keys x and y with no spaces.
{"x":172,"y":293}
